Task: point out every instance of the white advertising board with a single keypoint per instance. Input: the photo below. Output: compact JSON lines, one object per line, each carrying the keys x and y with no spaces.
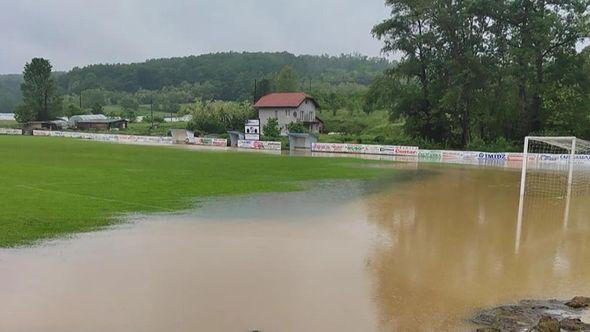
{"x":107,"y":137}
{"x":10,"y":131}
{"x":222,"y":142}
{"x":392,"y":150}
{"x":430,"y":155}
{"x":252,"y":130}
{"x":259,"y":145}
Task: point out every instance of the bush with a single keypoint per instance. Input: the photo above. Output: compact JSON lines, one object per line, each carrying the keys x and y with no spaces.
{"x":157,"y":119}
{"x":501,"y":144}
{"x":24,"y":114}
{"x":271,"y":129}
{"x":217,"y":117}
{"x":72,"y":110}
{"x":296,"y":127}
{"x":97,"y":108}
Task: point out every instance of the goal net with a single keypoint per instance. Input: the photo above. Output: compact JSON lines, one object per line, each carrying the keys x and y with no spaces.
{"x":555,"y":167}
{"x":555,"y":170}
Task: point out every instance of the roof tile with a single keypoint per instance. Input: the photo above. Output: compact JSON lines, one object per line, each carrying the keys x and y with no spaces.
{"x":283,"y":99}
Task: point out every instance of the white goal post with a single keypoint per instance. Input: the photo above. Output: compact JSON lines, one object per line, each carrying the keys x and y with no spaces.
{"x":553,"y":168}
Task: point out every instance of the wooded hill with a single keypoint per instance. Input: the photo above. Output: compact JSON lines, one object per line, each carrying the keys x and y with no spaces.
{"x":224,"y":76}
{"x":229,"y":76}
{"x":10,"y":94}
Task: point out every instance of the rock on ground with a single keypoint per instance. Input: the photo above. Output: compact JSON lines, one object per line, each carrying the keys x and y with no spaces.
{"x":579,"y":302}
{"x":547,"y":324}
{"x":535,"y":315}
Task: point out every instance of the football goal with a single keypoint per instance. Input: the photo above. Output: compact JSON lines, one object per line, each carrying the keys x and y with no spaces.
{"x":553,"y":168}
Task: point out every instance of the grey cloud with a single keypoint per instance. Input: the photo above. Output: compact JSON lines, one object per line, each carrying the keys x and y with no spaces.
{"x":80,"y":32}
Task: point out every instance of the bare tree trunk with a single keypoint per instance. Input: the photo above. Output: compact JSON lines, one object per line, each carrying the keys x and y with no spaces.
{"x":45,"y":115}
{"x":535,"y":116}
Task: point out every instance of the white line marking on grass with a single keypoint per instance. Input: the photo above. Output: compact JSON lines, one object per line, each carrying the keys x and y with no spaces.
{"x":95,"y":197}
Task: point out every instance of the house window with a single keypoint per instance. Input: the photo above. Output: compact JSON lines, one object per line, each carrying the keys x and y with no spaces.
{"x":276,"y":114}
{"x":295,"y":114}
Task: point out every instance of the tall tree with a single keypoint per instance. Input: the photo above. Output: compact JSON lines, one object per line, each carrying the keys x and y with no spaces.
{"x":24,"y":114}
{"x":271,"y":129}
{"x":263,"y":87}
{"x":477,"y":67}
{"x":287,"y":80}
{"x":97,"y":109}
{"x":411,"y":32}
{"x":40,"y":96}
{"x":542,"y":32}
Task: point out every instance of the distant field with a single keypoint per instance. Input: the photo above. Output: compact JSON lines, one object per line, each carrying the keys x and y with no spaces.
{"x":143,"y":110}
{"x":135,"y":128}
{"x":54,"y":186}
{"x":143,"y":128}
{"x":359,"y":127}
{"x":9,"y":124}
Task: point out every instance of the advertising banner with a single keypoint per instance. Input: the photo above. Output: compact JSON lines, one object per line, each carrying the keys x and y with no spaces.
{"x":252,"y":130}
{"x":259,"y":145}
{"x":430,"y":155}
{"x":405,"y":153}
{"x":10,"y":131}
{"x":392,"y":150}
{"x":451,"y":155}
{"x":492,"y":156}
{"x":107,"y":137}
{"x":471,"y":155}
{"x":511,"y":156}
{"x":209,"y":141}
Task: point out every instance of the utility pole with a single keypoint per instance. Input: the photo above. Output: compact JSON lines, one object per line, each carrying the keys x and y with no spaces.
{"x":310,"y":86}
{"x":255,"y":83}
{"x":152,"y":112}
{"x":80,"y":99}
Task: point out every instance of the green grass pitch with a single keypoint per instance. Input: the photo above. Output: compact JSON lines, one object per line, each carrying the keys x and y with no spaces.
{"x":54,"y":186}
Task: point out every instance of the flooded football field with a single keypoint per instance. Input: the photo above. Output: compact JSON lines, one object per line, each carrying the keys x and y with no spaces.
{"x":419,"y":251}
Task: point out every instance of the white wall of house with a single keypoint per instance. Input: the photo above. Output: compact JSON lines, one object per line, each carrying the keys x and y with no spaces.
{"x":306,"y":112}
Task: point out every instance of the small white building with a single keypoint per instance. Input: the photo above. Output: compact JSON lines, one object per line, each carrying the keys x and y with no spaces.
{"x":7,"y":117}
{"x":184,"y":118}
{"x":289,"y":107}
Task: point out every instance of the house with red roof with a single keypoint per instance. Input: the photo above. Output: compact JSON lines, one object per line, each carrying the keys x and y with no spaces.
{"x":289,"y":107}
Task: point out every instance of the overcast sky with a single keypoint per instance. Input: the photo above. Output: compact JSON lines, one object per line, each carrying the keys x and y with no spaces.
{"x":81,"y":32}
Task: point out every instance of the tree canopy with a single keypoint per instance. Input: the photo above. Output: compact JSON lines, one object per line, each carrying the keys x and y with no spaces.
{"x":40,"y":98}
{"x":287,"y":80}
{"x":271,"y":129}
{"x":486,"y":69}
{"x":222,"y":76}
{"x":10,"y":93}
{"x":219,"y":76}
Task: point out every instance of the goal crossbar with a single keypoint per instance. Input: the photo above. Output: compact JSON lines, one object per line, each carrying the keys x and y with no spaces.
{"x":568,"y":143}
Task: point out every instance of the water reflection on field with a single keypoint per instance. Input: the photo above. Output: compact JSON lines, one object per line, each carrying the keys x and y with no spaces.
{"x":418,"y":252}
{"x":452,"y":248}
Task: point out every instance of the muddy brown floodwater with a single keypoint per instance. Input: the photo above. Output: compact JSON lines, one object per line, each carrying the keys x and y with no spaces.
{"x":418,"y":253}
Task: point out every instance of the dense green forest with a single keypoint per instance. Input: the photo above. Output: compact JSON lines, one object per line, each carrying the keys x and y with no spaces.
{"x":226,"y":76}
{"x":10,"y":94}
{"x":220,"y":76}
{"x":488,"y":71}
